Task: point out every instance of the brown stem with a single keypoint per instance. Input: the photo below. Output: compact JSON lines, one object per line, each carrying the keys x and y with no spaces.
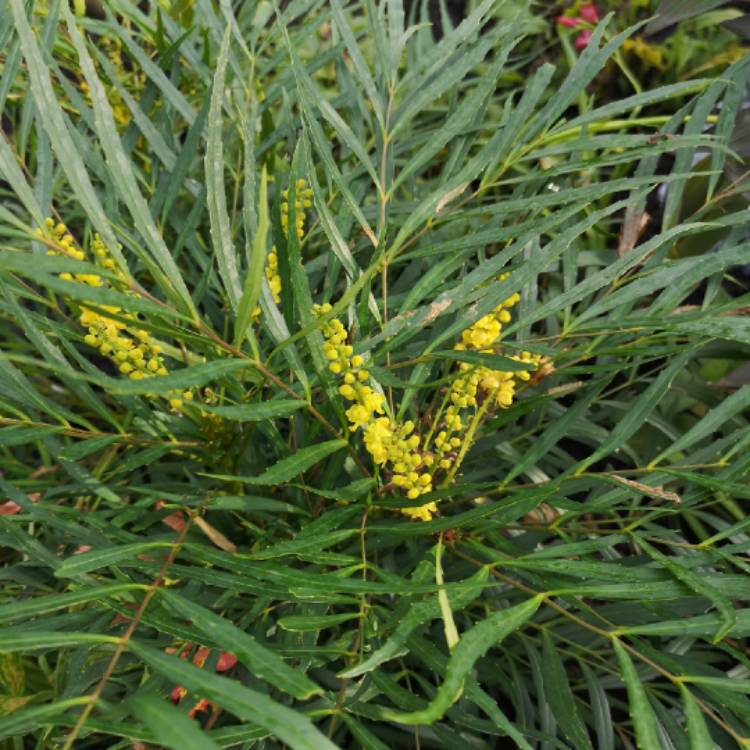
{"x":123,"y":643}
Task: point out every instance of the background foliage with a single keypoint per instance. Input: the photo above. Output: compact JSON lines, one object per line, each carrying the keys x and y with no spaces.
{"x":585,"y":582}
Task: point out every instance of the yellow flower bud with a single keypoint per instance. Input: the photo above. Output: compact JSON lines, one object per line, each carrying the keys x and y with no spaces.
{"x":347,"y":392}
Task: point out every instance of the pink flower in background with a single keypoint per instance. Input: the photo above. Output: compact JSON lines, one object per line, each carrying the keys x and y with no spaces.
{"x":589,"y":13}
{"x":583,"y":39}
{"x":586,"y":14}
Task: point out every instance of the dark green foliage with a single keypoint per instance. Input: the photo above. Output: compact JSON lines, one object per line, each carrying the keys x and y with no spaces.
{"x":591,"y":553}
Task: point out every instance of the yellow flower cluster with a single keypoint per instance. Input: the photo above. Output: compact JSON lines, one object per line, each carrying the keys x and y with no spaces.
{"x":397,"y":447}
{"x":411,"y":462}
{"x":474,"y":382}
{"x":303,"y":201}
{"x":391,"y":445}
{"x":132,"y":349}
{"x":366,"y":402}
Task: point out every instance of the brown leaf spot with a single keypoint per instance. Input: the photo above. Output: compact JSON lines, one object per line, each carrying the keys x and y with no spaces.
{"x":436,"y":308}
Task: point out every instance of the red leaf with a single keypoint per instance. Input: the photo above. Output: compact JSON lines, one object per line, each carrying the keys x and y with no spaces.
{"x":200,"y":656}
{"x":9,"y":508}
{"x":226,"y":661}
{"x":201,"y":705}
{"x":175,"y":521}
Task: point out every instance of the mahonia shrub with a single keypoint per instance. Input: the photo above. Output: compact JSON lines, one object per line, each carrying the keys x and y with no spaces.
{"x":364,"y":386}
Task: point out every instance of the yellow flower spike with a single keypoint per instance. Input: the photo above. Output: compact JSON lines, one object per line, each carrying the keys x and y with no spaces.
{"x":124,"y":342}
{"x":302,"y":202}
{"x":474,"y":384}
{"x":392,"y":446}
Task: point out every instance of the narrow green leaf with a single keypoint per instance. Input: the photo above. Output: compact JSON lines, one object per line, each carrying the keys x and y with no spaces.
{"x":711,"y":421}
{"x":670,"y":12}
{"x":315,"y":623}
{"x":360,"y":66}
{"x":638,"y":412}
{"x":494,"y":361}
{"x":560,"y":696}
{"x":693,"y":627}
{"x":289,"y":726}
{"x":188,"y":377}
{"x":559,"y":428}
{"x":473,"y":644}
{"x":304,"y":544}
{"x":26,"y":720}
{"x":14,"y":435}
{"x":54,"y":123}
{"x":601,"y":710}
{"x":259,"y":411}
{"x":255,"y":270}
{"x":696,"y":583}
{"x":165,"y":86}
{"x":641,"y":712}
{"x":260,"y":660}
{"x":77,"y":565}
{"x":296,"y":464}
{"x":697,"y":731}
{"x":366,"y":739}
{"x":457,"y":124}
{"x":51,"y":602}
{"x":11,"y":641}
{"x":221,"y":231}
{"x":121,"y":170}
{"x":418,"y":614}
{"x":14,"y":176}
{"x":170,"y":726}
{"x":446,"y":612}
